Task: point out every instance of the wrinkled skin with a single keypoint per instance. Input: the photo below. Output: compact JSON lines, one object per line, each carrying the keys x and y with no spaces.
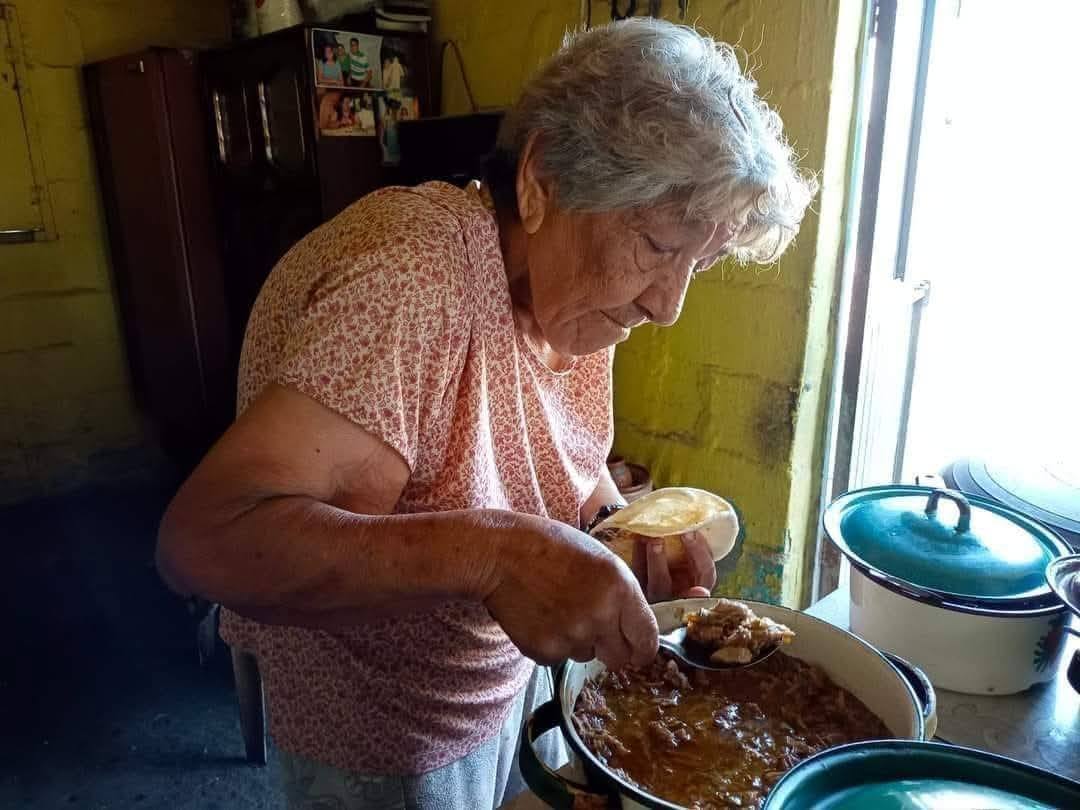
{"x":581,"y":281}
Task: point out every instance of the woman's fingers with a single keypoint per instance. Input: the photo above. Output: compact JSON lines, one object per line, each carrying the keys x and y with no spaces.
{"x":639,"y":564}
{"x":614,"y":651}
{"x":584,"y":652}
{"x":696,"y":578}
{"x":699,"y":560}
{"x":658,"y":575}
{"x":637,"y":625}
{"x":697,"y":592}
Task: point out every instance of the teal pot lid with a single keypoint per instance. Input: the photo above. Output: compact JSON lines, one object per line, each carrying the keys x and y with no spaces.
{"x":938,"y":544}
{"x":909,"y":775}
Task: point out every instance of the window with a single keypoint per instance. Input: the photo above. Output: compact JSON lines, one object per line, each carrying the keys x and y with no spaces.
{"x":24,"y":209}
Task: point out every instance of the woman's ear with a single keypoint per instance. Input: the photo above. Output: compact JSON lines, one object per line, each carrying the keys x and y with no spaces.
{"x":534,"y":192}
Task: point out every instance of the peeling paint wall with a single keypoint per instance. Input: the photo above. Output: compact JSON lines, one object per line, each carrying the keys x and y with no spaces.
{"x":746,"y":366}
{"x":731,"y":398}
{"x":66,"y":413}
{"x":501,"y":43}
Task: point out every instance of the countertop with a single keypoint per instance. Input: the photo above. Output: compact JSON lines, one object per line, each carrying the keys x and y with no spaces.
{"x":1040,"y":726}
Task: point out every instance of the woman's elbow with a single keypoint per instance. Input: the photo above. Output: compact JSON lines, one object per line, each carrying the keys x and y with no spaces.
{"x":182,"y":557}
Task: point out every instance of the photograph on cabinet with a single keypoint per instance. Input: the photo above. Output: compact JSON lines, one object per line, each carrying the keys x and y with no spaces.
{"x":346,"y":59}
{"x":346,"y":112}
{"x":393,"y":109}
{"x":398,"y":75}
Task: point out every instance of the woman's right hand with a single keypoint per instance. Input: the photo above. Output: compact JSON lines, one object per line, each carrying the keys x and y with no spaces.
{"x":559,"y":594}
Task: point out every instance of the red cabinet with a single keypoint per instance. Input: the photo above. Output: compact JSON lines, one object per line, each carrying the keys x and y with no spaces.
{"x":146,"y":112}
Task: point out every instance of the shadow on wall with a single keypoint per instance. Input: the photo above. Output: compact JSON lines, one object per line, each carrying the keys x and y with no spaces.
{"x":750,"y":571}
{"x":66,"y":411}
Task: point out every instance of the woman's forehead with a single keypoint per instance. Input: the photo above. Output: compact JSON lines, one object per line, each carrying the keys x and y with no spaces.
{"x":674,"y":220}
{"x":672,"y":215}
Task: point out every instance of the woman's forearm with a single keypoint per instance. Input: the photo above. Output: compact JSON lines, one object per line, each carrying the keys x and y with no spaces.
{"x":605,"y":493}
{"x":295,"y":560}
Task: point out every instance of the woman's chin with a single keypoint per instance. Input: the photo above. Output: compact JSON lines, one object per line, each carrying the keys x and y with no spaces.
{"x":581,"y":348}
{"x":598,"y":342}
{"x":607,"y":342}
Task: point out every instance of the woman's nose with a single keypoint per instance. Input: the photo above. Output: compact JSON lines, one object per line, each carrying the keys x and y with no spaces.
{"x":663,"y":300}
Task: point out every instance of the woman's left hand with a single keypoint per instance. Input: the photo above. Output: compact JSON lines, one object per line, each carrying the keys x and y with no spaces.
{"x":661,"y":582}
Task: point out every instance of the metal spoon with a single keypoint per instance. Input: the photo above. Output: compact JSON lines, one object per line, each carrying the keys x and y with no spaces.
{"x":698,"y":656}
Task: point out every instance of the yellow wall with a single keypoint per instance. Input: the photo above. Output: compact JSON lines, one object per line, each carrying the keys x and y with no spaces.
{"x":65,"y":407}
{"x":731,"y":398}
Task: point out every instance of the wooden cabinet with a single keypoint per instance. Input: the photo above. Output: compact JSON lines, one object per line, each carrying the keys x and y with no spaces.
{"x":212,"y":167}
{"x":264,"y":172}
{"x":275,"y":179}
{"x":146,"y":112}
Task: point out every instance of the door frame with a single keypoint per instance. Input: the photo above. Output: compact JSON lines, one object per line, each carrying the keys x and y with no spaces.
{"x":843,"y":444}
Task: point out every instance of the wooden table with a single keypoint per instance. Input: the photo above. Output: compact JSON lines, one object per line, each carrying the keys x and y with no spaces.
{"x":1040,"y":726}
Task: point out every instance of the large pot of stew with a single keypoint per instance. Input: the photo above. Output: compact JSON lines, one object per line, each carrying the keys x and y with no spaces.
{"x":665,"y":737}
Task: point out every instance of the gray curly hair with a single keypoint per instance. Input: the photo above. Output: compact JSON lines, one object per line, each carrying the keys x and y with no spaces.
{"x":643,"y":112}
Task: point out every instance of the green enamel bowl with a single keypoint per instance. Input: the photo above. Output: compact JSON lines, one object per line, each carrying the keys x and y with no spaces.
{"x":911,"y":775}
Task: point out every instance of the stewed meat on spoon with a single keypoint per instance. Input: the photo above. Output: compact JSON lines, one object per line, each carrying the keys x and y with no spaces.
{"x":727,"y":636}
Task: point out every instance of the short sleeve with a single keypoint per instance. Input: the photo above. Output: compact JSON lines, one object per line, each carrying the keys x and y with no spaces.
{"x":382,"y":333}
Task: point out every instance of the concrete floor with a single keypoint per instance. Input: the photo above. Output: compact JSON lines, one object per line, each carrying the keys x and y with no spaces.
{"x":103,"y":704}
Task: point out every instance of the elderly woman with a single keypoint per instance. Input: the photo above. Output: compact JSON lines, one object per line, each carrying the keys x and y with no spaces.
{"x":394,"y":521}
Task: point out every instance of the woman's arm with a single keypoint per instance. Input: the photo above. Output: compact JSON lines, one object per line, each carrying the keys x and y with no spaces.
{"x":287,"y":521}
{"x":606,"y":493}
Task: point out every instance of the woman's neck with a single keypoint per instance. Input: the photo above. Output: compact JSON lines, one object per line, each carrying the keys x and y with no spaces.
{"x":513,"y":241}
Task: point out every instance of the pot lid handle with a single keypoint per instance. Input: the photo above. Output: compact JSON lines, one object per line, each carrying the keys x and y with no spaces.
{"x":963,"y":525}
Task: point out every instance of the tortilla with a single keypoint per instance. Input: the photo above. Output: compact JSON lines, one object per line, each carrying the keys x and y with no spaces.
{"x":670,"y":513}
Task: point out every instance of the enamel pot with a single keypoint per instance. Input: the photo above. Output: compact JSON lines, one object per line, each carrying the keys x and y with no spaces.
{"x":908,"y":775}
{"x":958,"y":590}
{"x":904,"y":702}
{"x":1063,"y":576}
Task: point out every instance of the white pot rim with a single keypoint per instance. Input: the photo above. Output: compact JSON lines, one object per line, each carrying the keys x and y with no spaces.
{"x":1046,"y":605}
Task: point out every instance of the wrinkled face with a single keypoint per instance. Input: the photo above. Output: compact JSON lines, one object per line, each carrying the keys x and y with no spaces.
{"x":594,"y":277}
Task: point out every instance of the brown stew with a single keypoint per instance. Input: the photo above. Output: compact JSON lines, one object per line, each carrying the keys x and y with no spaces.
{"x":717,"y":739}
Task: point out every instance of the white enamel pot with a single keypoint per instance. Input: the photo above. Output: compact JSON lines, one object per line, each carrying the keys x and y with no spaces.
{"x":881,"y":685}
{"x":993,"y":627}
{"x":1063,"y":576}
{"x":962,"y":651}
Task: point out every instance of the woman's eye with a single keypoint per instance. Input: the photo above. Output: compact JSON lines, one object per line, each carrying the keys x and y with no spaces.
{"x":708,"y":262}
{"x":656,"y":247}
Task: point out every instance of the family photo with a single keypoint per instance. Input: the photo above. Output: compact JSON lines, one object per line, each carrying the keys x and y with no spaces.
{"x":345,"y":59}
{"x":344,"y":112}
